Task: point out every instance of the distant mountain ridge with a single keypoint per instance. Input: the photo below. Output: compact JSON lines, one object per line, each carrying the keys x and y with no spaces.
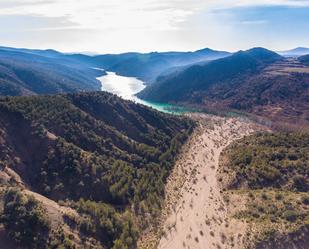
{"x":181,"y":86}
{"x":24,"y":73}
{"x":34,"y":71}
{"x":257,"y":81}
{"x":296,"y":52}
{"x":148,"y":66}
{"x":42,"y":52}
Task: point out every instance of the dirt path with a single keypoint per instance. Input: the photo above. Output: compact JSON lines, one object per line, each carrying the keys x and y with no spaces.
{"x":195,"y":215}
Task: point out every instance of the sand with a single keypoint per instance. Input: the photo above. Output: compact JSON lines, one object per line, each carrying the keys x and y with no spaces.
{"x":195,"y":214}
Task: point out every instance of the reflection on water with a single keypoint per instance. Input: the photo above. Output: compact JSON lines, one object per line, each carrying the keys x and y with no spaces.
{"x":124,"y":87}
{"x":127,"y":87}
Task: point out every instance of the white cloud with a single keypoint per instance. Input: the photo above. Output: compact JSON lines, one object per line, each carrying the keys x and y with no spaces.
{"x":116,"y":14}
{"x":254,"y":22}
{"x":133,"y":14}
{"x":126,"y":24}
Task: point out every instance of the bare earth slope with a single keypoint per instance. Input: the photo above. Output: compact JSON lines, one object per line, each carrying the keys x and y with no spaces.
{"x":195,"y":215}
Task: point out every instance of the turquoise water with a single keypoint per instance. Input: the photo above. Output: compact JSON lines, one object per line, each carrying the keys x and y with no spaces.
{"x":127,"y":87}
{"x":164,"y":107}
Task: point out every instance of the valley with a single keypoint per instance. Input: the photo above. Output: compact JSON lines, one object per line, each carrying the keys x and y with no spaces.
{"x":35,"y":71}
{"x":169,"y":150}
{"x":154,"y":124}
{"x":128,"y":87}
{"x":230,"y":188}
{"x":195,"y":214}
{"x":258,"y":82}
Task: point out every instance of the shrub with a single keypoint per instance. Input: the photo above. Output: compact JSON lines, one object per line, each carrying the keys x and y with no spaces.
{"x":290,"y":215}
{"x":279,"y":196}
{"x":305,"y":200}
{"x":278,"y":160}
{"x":24,"y":220}
{"x":300,"y":183}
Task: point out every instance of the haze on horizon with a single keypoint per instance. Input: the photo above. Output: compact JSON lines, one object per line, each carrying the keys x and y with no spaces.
{"x":114,"y":26}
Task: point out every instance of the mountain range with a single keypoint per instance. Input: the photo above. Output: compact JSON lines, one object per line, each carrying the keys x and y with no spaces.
{"x":148,"y":66}
{"x":258,"y":81}
{"x":82,"y":168}
{"x":296,"y":52}
{"x":33,"y":71}
{"x":44,"y":72}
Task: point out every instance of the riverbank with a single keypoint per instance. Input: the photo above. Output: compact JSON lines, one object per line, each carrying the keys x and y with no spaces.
{"x":195,"y":214}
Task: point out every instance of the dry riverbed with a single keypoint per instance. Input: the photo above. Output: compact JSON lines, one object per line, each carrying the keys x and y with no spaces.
{"x":195,"y":215}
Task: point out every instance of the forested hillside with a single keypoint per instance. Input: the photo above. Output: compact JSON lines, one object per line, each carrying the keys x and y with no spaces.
{"x":305,"y":59}
{"x":148,"y":67}
{"x":104,"y":157}
{"x":257,"y":81}
{"x":270,"y":173}
{"x":183,"y":86}
{"x":23,"y":73}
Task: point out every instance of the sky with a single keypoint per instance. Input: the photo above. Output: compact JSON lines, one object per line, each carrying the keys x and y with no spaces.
{"x":114,"y":26}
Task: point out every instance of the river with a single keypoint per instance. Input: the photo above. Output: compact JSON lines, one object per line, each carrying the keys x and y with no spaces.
{"x":127,"y":87}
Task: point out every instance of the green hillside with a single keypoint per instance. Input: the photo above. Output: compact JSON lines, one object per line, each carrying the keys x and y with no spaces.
{"x":270,"y":172}
{"x":94,"y":151}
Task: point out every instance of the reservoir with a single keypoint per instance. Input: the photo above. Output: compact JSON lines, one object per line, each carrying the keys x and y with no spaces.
{"x":127,"y":87}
